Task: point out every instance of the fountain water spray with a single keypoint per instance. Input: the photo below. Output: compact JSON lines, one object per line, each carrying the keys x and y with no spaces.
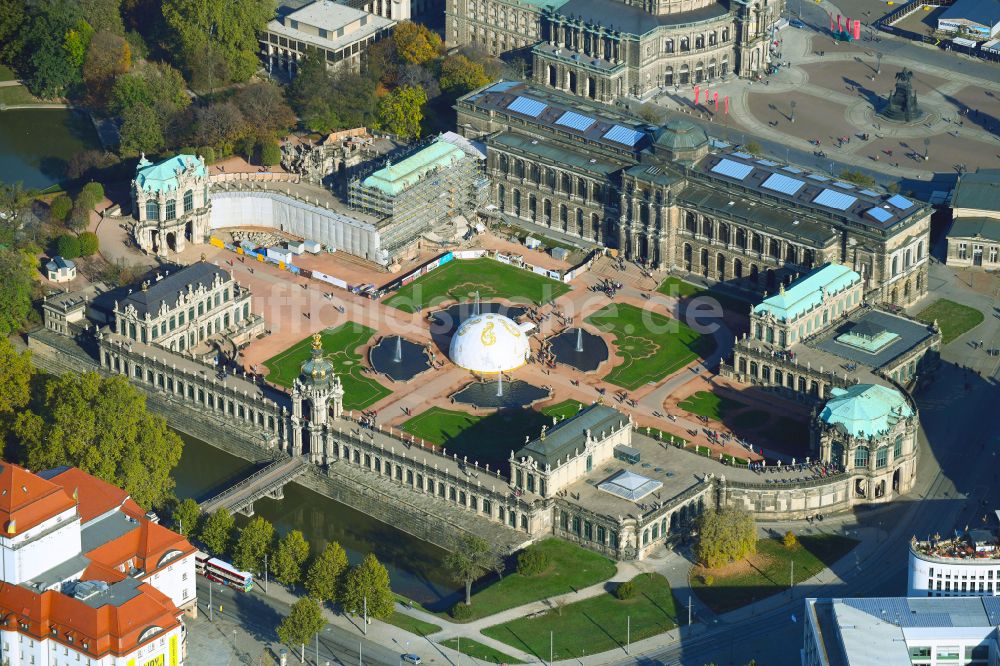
{"x":579,"y":340}
{"x":398,"y":356}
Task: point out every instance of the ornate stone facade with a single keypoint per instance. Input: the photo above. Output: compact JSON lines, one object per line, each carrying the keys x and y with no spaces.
{"x":170,"y":204}
{"x":604,"y":49}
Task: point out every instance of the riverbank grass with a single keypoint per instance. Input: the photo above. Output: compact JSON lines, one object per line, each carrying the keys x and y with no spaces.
{"x":594,"y":625}
{"x":953,"y":318}
{"x":477,"y":650}
{"x":651,"y":345}
{"x":570,"y":568}
{"x":769,"y":571}
{"x":339,"y":347}
{"x":458,"y":279}
{"x":412,"y":624}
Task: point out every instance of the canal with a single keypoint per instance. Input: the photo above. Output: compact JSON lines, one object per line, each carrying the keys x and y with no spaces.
{"x":414,"y":566}
{"x":36,"y":144}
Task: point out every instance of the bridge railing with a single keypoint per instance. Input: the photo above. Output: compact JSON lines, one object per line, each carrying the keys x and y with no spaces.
{"x":250,"y":480}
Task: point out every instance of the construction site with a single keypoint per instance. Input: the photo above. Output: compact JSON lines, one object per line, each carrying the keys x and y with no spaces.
{"x":432,"y":194}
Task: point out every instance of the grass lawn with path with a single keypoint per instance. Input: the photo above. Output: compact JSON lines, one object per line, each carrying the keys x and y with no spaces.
{"x":769,"y":571}
{"x":484,"y":439}
{"x":652,"y":345}
{"x":674,"y":286}
{"x":339,"y":345}
{"x":13,"y":95}
{"x":412,"y":624}
{"x":596,"y":624}
{"x":719,"y":408}
{"x":570,"y":568}
{"x":458,"y":279}
{"x":479,"y":651}
{"x":953,"y":318}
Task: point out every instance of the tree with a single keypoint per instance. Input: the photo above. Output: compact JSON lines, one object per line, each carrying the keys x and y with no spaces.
{"x":857,"y":177}
{"x":326,"y":102}
{"x":326,"y":572}
{"x":101,"y":425}
{"x":253,"y":543}
{"x":108,"y":56}
{"x":270,"y":153}
{"x":789,"y":540}
{"x":625,"y":590}
{"x":89,"y":244}
{"x":217,"y":531}
{"x":186,"y":517}
{"x":68,"y":246}
{"x":725,"y":535}
{"x":470,"y":560}
{"x":289,"y":557}
{"x":103,"y":15}
{"x":532,"y":561}
{"x":141,"y":131}
{"x":16,"y":373}
{"x":60,"y":208}
{"x":17,"y":282}
{"x":416,"y":43}
{"x":264,"y":109}
{"x":155,"y":85}
{"x":90,"y":195}
{"x":219,"y":125}
{"x":400,"y":112}
{"x":210,"y":70}
{"x":459,"y":75}
{"x":12,"y":23}
{"x":367,"y":586}
{"x":49,"y":68}
{"x":303,"y":622}
{"x":753,"y":148}
{"x":231,"y":27}
{"x":76,"y":41}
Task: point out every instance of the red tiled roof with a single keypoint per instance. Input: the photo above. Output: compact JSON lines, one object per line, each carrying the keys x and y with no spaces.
{"x":27,"y":500}
{"x":95,"y":497}
{"x":146,"y":544}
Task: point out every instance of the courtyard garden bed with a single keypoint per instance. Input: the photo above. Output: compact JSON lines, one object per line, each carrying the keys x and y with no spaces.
{"x":458,"y":279}
{"x":596,"y":624}
{"x":953,"y":318}
{"x":652,"y":345}
{"x":768,"y":572}
{"x":339,"y":345}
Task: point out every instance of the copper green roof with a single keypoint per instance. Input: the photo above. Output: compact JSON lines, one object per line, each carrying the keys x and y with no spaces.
{"x":978,"y":191}
{"x":865,"y":409}
{"x":396,"y":178}
{"x":807,"y":292}
{"x":162,"y":176}
{"x":681,"y":134}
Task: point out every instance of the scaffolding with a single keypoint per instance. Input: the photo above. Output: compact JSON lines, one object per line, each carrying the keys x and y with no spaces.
{"x":439,"y":194}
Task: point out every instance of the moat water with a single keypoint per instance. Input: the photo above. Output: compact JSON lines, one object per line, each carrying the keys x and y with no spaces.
{"x":414,"y":566}
{"x":36,"y":144}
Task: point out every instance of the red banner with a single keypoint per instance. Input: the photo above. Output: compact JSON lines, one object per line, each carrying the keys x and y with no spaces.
{"x":857,"y":29}
{"x":726,"y":104}
{"x":716,"y":98}
{"x":697,"y":93}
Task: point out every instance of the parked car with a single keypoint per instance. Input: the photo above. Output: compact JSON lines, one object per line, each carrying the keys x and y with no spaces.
{"x":411,"y":658}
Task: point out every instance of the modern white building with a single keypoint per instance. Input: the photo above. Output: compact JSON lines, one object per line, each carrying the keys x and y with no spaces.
{"x":967,"y":565}
{"x":899,"y":631}
{"x":88,"y":578}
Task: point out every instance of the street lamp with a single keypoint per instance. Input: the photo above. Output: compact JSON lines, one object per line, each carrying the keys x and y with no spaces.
{"x":878,"y":64}
{"x":927,"y":148}
{"x":793,"y":104}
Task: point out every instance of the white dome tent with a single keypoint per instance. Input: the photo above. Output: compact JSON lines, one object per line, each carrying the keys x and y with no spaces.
{"x":490,"y":344}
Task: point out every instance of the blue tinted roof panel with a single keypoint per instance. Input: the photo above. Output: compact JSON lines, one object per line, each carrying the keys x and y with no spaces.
{"x":732,"y":169}
{"x":834,"y":199}
{"x":527,"y":106}
{"x":745,"y":156}
{"x":880,"y":214}
{"x":816,"y":176}
{"x":791,"y":169}
{"x":846,"y":186}
{"x":575,"y":121}
{"x":783,"y":184}
{"x":869,"y":193}
{"x":900,"y":202}
{"x":623,"y":135}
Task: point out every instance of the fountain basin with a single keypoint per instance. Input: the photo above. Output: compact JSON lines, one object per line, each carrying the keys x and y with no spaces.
{"x":399,"y":359}
{"x":579,"y":349}
{"x":516,"y":393}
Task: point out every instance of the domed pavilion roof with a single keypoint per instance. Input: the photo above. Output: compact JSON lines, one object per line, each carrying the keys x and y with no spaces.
{"x":317,"y":369}
{"x":865,"y":409}
{"x":681,"y":135}
{"x":489,"y":343}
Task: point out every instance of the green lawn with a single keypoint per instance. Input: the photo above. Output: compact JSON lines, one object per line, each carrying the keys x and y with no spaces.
{"x":594,"y":625}
{"x":479,"y":651}
{"x":673,"y":286}
{"x":564,"y":409}
{"x":571,"y":568}
{"x":458,"y":279}
{"x":953,"y":318}
{"x":11,"y":95}
{"x":652,"y":345}
{"x":412,"y":624}
{"x":6,"y":73}
{"x":339,"y":345}
{"x":771,"y":573}
{"x":724,"y":410}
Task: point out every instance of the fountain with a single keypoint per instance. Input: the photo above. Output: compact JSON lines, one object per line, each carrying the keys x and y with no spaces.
{"x":579,"y":349}
{"x":500,"y":384}
{"x":398,"y":356}
{"x":398,"y":359}
{"x":475,"y":306}
{"x":484,"y":394}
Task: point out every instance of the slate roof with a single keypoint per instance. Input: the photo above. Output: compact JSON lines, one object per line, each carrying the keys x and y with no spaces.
{"x":570,"y":434}
{"x":979,"y":190}
{"x":166,"y":291}
{"x":975,"y":227}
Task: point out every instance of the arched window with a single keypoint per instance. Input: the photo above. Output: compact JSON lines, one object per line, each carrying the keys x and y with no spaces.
{"x":581,"y":188}
{"x":188,"y":201}
{"x":171,"y":209}
{"x":895,"y":266}
{"x":861,"y":456}
{"x":152,"y":210}
{"x":501,"y":197}
{"x":504,"y":165}
{"x":897,"y":447}
{"x":920,"y":250}
{"x":567,"y":183}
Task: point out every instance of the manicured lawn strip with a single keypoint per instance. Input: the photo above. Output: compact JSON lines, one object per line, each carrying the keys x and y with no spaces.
{"x":708,"y":404}
{"x":953,"y":318}
{"x":6,"y":73}
{"x":477,"y":650}
{"x":813,"y":554}
{"x":492,"y":279}
{"x":660,"y":435}
{"x":412,"y":624}
{"x":339,"y":347}
{"x":594,"y":625}
{"x":11,"y":95}
{"x":571,"y":568}
{"x":674,"y":286}
{"x":564,"y":409}
{"x":652,"y":345}
{"x":484,"y":439}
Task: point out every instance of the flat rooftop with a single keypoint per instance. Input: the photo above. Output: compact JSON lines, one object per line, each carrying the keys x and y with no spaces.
{"x":909,"y":335}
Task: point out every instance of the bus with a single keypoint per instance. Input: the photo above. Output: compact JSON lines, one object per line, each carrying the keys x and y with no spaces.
{"x":222,"y":572}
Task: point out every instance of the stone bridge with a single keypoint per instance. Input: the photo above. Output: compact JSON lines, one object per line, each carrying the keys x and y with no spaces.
{"x":267,"y":482}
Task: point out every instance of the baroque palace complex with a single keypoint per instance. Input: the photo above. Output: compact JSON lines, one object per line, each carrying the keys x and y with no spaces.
{"x":604,"y":49}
